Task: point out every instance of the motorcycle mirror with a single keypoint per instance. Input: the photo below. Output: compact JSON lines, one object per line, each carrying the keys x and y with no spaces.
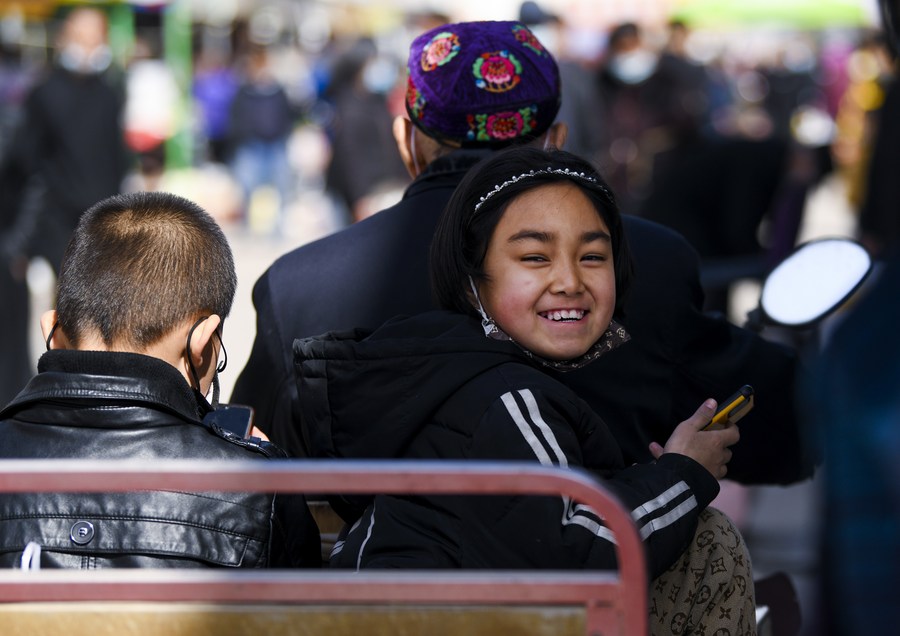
{"x":816,"y":279}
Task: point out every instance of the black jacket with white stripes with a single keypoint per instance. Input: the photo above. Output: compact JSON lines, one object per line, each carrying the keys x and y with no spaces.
{"x":433,"y":387}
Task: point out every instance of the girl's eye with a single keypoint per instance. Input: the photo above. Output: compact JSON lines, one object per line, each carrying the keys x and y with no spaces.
{"x":534,"y":258}
{"x":594,"y":257}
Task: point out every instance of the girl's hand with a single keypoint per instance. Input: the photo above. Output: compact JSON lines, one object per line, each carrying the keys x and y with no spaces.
{"x":708,"y":448}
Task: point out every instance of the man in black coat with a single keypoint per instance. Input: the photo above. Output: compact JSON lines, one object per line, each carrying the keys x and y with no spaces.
{"x":377,"y":269}
{"x":70,"y":139}
{"x":66,"y":153}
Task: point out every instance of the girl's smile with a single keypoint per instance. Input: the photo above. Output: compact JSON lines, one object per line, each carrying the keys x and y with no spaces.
{"x":563,"y":315}
{"x":550,"y":277}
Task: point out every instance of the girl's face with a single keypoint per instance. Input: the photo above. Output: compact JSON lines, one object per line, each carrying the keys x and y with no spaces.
{"x":551,"y":283}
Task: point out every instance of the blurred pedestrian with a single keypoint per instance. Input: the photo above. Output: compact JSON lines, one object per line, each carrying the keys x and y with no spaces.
{"x":70,"y":137}
{"x":363,"y":161}
{"x":214,"y":86}
{"x":853,"y":402}
{"x":639,"y":106}
{"x":879,"y":217}
{"x":261,"y":121}
{"x":714,"y":190}
{"x":14,"y":350}
{"x":865,"y":75}
{"x":65,"y":152}
{"x":15,"y":228}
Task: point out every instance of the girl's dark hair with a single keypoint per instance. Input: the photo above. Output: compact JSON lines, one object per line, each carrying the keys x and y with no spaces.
{"x":462,"y":236}
{"x":139,"y":265}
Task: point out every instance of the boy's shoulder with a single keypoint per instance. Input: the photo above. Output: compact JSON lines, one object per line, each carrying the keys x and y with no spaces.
{"x":253,"y":446}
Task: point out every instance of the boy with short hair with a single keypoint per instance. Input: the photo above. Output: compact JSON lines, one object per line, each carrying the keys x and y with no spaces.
{"x":133,"y":348}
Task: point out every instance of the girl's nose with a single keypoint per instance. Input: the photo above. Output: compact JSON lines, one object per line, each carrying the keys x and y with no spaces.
{"x":566,"y":279}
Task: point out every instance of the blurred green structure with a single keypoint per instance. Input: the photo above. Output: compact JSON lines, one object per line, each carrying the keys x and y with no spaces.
{"x":799,"y":14}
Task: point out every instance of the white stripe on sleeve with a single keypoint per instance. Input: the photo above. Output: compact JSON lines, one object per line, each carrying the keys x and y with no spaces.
{"x":580,"y":514}
{"x":535,"y":413}
{"x":669,"y":518}
{"x":662,"y":500}
{"x":572,"y":515}
{"x":366,"y":540}
{"x":516,"y":414}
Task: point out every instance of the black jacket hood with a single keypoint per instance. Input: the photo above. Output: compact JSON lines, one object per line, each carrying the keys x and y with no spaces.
{"x":365,"y":394}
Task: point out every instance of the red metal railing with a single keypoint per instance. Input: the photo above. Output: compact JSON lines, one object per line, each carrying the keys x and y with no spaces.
{"x":614,"y":601}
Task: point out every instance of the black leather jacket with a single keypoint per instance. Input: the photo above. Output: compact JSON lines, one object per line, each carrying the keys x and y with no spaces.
{"x":101,"y":405}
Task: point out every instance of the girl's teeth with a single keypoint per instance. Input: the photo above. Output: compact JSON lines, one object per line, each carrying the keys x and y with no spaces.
{"x":569,"y":314}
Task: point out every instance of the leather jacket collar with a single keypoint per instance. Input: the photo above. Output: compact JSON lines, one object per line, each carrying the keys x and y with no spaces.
{"x":105,"y":390}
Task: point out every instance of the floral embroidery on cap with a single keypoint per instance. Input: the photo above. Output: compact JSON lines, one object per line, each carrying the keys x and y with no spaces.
{"x":497,"y":72}
{"x":415,"y":101}
{"x":501,"y":126}
{"x":489,"y":68}
{"x":527,"y":39}
{"x":443,"y":47}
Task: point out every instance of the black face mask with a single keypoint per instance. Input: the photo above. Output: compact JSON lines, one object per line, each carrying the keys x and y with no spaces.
{"x":201,"y":399}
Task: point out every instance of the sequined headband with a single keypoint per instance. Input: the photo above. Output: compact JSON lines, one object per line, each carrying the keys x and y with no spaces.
{"x":531,"y":174}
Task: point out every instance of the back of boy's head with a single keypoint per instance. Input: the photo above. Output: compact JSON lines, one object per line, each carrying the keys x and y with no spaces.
{"x":468,"y":221}
{"x":138,"y":266}
{"x":481,"y":84}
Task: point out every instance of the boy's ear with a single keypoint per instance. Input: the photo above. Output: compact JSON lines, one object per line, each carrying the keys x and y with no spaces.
{"x":58,"y":339}
{"x":202,"y":336}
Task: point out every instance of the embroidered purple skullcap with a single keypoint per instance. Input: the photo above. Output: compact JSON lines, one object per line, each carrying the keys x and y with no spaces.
{"x":481,"y":84}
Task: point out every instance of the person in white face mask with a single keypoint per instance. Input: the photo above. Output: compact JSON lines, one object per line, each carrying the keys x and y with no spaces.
{"x":668,"y":163}
{"x":645,"y":110}
{"x":68,"y":150}
{"x":631,"y":102}
{"x":629,"y":60}
{"x":82,"y":44}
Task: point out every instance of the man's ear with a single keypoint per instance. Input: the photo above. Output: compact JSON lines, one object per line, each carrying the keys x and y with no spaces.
{"x":200,"y":339}
{"x":58,"y":340}
{"x":402,"y":129}
{"x":557,"y":135}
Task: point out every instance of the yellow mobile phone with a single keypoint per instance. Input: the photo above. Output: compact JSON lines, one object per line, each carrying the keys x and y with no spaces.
{"x":734,"y":408}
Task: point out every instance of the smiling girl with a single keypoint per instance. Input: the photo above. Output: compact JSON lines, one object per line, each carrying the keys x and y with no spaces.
{"x":530,"y":265}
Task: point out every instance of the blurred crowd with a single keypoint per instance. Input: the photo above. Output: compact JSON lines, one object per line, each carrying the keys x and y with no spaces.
{"x":286,"y":114}
{"x":279,"y":119}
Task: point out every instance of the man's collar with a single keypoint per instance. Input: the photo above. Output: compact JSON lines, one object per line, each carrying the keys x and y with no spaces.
{"x":459,"y":160}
